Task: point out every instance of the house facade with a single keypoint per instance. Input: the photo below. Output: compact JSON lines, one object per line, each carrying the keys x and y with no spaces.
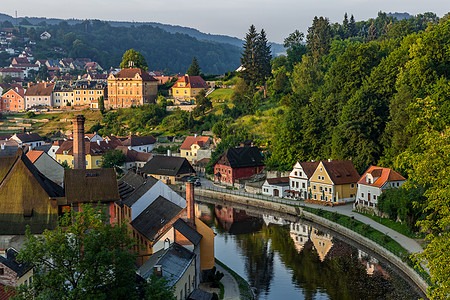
{"x":191,"y":145}
{"x":373,"y":182}
{"x":86,"y":92}
{"x":276,"y":187}
{"x":299,"y":179}
{"x":333,"y":182}
{"x":13,"y":100}
{"x":237,"y":163}
{"x":131,"y":87}
{"x":94,"y":152}
{"x":187,"y":87}
{"x":29,"y":138}
{"x":39,"y":94}
{"x":140,"y":143}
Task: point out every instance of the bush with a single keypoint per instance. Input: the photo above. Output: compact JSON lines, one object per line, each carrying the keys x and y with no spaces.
{"x":365,"y":227}
{"x":30,"y":114}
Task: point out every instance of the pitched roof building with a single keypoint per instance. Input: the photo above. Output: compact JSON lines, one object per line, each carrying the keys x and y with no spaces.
{"x":187,"y":87}
{"x":39,"y":94}
{"x":191,"y":145}
{"x":168,"y":168}
{"x":131,"y":87}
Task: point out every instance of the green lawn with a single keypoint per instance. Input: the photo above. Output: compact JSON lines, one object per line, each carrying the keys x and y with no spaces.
{"x":221,"y":95}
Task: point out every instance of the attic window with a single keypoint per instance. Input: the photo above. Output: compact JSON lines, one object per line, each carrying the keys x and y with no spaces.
{"x":92,"y":174}
{"x":27,"y":213}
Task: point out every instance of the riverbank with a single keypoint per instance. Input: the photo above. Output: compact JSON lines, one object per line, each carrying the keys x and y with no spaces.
{"x":245,"y":291}
{"x":297,"y":211}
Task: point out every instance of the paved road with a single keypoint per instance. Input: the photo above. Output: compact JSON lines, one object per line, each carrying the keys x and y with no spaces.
{"x":406,"y":242}
{"x":230,"y":285}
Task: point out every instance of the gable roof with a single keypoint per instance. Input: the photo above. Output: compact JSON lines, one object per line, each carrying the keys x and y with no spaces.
{"x":309,"y":167}
{"x":158,"y":214}
{"x":187,"y":231}
{"x":191,"y":82}
{"x":167,"y":165}
{"x":384,"y":175}
{"x":90,"y":148}
{"x":20,"y":91}
{"x":10,"y":261}
{"x":94,"y":185}
{"x":33,"y":155}
{"x":20,"y":60}
{"x":134,"y":140}
{"x":40,"y":89}
{"x":278,"y":181}
{"x":199,"y":140}
{"x":28,"y":137}
{"x":133,"y":155}
{"x":173,"y":261}
{"x":140,"y":191}
{"x":341,"y":172}
{"x":131,"y":73}
{"x":129,"y":183}
{"x":241,"y":157}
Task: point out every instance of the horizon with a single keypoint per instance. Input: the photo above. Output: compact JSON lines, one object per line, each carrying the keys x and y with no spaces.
{"x":277,"y":24}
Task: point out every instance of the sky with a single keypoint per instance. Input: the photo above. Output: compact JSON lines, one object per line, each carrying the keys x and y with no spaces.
{"x":229,"y":17}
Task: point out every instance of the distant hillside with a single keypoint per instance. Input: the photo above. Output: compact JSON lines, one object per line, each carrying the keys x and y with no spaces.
{"x":276,"y":48}
{"x":399,"y":16}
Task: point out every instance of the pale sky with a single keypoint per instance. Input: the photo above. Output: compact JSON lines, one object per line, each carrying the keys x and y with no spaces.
{"x":228,"y":17}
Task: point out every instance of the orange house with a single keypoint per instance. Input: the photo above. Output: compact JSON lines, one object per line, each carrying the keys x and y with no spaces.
{"x":13,"y":100}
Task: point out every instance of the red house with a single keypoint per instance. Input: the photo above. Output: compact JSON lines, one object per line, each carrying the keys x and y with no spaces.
{"x":13,"y":100}
{"x":238,"y":163}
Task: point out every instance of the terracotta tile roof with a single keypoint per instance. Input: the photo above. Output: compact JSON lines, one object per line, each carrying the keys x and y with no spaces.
{"x":58,"y":142}
{"x":17,"y":90}
{"x":199,"y":140}
{"x":191,"y":82}
{"x":309,"y":167}
{"x":33,"y":155}
{"x":95,"y":185}
{"x":133,"y":155}
{"x":21,"y":60}
{"x":91,"y":148}
{"x":341,"y":172}
{"x":6,"y":292}
{"x":381,"y":176}
{"x":40,"y":89}
{"x":10,"y":70}
{"x":131,"y":73}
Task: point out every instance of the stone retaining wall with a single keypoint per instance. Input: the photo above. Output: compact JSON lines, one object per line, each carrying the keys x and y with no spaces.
{"x":291,"y":210}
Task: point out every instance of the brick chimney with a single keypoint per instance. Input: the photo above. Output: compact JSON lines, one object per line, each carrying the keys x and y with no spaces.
{"x":190,"y":203}
{"x":79,"y":155}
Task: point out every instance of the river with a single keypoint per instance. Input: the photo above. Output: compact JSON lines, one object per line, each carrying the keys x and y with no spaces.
{"x":299,"y":259}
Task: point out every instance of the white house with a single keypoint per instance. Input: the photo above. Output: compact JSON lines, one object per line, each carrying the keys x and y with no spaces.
{"x":299,"y":179}
{"x":276,"y":187}
{"x":45,"y":35}
{"x":373,"y":182}
{"x":31,"y":139}
{"x":55,"y":146}
{"x":300,"y":234}
{"x":140,"y":143}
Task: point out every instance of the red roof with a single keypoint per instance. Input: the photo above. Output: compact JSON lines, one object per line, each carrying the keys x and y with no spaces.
{"x":20,"y":91}
{"x":91,"y":148}
{"x":20,"y":60}
{"x":380,"y":176}
{"x":190,"y":140}
{"x":6,"y":292}
{"x":341,"y":172}
{"x":191,"y":82}
{"x":131,"y":73}
{"x":40,"y":89}
{"x":133,"y":155}
{"x":10,"y":70}
{"x":33,"y":155}
{"x":309,"y":167}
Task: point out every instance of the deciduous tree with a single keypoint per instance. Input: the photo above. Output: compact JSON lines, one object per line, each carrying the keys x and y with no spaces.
{"x":133,"y":59}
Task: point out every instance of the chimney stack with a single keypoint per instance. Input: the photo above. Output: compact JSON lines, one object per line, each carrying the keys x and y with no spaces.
{"x":79,"y":155}
{"x":190,"y":203}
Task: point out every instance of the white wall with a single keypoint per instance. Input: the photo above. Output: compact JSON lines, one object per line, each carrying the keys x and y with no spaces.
{"x":143,"y":148}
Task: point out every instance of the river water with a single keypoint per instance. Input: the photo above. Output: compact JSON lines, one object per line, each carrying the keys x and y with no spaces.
{"x":298,"y":259}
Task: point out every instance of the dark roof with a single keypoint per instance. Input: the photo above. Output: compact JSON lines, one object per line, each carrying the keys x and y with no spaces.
{"x":94,"y":185}
{"x":187,"y":231}
{"x":11,"y":262}
{"x":91,"y":148}
{"x":241,"y":157}
{"x":134,"y":140}
{"x":167,"y":165}
{"x":341,"y":172}
{"x":29,"y":137}
{"x":131,"y":73}
{"x":200,"y":295}
{"x":43,"y":147}
{"x":155,"y":217}
{"x":309,"y":167}
{"x":129,"y":183}
{"x":278,"y":181}
{"x":174,"y":261}
{"x":140,"y":191}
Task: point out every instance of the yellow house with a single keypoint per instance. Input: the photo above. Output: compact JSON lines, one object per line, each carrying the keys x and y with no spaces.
{"x":88,"y":92}
{"x":62,"y":94}
{"x":334,"y":181}
{"x":187,"y":87}
{"x":168,"y":169}
{"x":131,"y":87}
{"x":93,"y":150}
{"x":191,"y":145}
{"x":322,"y":242}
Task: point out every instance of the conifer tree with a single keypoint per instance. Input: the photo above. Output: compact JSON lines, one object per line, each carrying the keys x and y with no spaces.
{"x":264,"y":56}
{"x":194,"y":69}
{"x":248,"y":58}
{"x":318,"y":39}
{"x":352,"y":26}
{"x":345,"y":27}
{"x":372,"y":33}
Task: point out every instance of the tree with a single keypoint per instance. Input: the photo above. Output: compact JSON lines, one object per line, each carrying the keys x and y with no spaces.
{"x":114,"y":159}
{"x":203,"y":103}
{"x":194,"y":69}
{"x":318,"y":39}
{"x":372,"y":33}
{"x":352,"y":27}
{"x":248,"y":56}
{"x":101,"y":104}
{"x":158,"y":289}
{"x":263,"y":56}
{"x":345,"y":27}
{"x":133,"y":59}
{"x":85,"y":257}
{"x":294,"y":39}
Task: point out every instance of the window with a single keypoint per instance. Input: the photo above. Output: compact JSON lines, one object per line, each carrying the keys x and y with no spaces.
{"x":362,"y":195}
{"x":315,"y":197}
{"x":303,"y":185}
{"x":2,"y":271}
{"x":97,"y":162}
{"x":320,"y":188}
{"x":352,"y":185}
{"x":314,"y":187}
{"x":295,"y":173}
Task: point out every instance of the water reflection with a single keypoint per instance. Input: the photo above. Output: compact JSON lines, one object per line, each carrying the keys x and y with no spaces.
{"x":298,"y":259}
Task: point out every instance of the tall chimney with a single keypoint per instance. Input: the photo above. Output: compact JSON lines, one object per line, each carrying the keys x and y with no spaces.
{"x":190,"y":203}
{"x":79,"y":155}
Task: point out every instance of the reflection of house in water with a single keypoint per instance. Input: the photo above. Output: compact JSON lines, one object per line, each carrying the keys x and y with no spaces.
{"x":236,"y":221}
{"x":372,"y":265}
{"x":299,"y":233}
{"x":203,"y":212}
{"x":274,"y":220}
{"x":322,"y":242}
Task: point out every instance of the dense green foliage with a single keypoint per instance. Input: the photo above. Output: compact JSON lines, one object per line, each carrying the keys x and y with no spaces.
{"x":106,"y":44}
{"x":133,"y":59}
{"x":114,"y":159}
{"x":194,"y":68}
